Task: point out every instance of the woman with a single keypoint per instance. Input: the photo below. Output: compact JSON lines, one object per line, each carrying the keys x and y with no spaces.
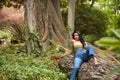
{"x":82,"y":53}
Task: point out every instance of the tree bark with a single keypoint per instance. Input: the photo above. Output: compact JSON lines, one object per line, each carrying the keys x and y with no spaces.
{"x":44,"y":17}
{"x":71,"y":15}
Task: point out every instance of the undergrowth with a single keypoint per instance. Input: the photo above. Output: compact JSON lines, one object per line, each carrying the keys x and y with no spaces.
{"x":14,"y":66}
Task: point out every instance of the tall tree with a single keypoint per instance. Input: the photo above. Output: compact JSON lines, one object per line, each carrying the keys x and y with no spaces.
{"x":44,"y":17}
{"x":71,"y":15}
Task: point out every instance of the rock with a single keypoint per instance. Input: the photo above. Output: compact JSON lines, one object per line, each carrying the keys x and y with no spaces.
{"x":89,"y":70}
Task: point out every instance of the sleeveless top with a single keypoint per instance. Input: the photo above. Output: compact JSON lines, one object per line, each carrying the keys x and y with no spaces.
{"x":78,"y":47}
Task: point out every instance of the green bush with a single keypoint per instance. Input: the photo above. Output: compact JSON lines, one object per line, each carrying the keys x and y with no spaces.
{"x":91,"y":21}
{"x":90,"y":38}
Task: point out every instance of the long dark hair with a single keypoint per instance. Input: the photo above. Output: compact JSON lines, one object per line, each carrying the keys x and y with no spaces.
{"x":80,"y":37}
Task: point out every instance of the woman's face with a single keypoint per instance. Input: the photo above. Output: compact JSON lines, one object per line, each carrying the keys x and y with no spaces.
{"x":76,"y":36}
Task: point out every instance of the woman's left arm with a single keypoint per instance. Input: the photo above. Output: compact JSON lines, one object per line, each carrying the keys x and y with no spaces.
{"x":85,"y":46}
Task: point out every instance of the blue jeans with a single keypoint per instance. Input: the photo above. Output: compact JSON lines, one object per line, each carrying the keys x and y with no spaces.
{"x":81,"y":57}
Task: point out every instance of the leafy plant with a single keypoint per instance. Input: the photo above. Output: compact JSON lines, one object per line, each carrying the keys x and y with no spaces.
{"x":18,"y":32}
{"x":90,"y":38}
{"x":4,"y":34}
{"x":18,"y":67}
{"x":36,"y":48}
{"x":111,"y":43}
{"x":91,"y":21}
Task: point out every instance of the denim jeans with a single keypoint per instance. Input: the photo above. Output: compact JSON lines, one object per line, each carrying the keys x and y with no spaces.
{"x":81,"y":57}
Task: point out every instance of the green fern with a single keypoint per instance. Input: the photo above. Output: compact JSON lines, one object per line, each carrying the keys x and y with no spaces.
{"x":113,"y":42}
{"x":109,"y":42}
{"x":116,"y":32}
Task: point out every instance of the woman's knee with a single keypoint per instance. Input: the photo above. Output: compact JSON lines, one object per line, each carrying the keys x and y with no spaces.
{"x":89,"y":46}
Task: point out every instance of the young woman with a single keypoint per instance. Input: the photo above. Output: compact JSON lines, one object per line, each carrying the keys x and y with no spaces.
{"x":82,"y":53}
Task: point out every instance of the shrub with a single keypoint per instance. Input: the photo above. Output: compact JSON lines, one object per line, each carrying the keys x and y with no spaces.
{"x":90,"y":38}
{"x":91,"y":21}
{"x":18,"y":32}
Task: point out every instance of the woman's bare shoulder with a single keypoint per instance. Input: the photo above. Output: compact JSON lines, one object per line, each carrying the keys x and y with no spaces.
{"x":87,"y":43}
{"x":72,"y":40}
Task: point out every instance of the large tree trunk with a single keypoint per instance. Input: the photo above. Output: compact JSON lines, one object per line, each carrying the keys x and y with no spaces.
{"x":71,"y":15}
{"x":44,"y":17}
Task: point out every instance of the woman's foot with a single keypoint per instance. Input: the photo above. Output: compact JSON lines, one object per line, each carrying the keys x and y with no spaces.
{"x":95,"y":60}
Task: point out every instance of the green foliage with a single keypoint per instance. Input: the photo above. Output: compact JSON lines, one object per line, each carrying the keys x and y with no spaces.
{"x":11,"y":3}
{"x":116,"y":32}
{"x":18,"y":32}
{"x":12,"y":49}
{"x":25,"y":69}
{"x":63,"y":4}
{"x":68,"y":29}
{"x":34,"y":35}
{"x":91,"y":21}
{"x":64,"y":11}
{"x":110,"y":5}
{"x":4,"y":34}
{"x":110,"y":42}
{"x":90,"y":38}
{"x":36,"y":42}
{"x":61,"y":49}
{"x":88,"y":20}
{"x":118,"y":20}
{"x":54,"y":48}
{"x":17,"y":67}
{"x":114,"y":24}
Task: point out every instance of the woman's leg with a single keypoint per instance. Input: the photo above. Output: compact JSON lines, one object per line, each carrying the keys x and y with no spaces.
{"x":90,"y":50}
{"x":77,"y":63}
{"x":91,"y":53}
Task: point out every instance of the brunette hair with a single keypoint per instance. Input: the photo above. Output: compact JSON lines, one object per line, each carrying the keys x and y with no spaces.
{"x":80,"y":37}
